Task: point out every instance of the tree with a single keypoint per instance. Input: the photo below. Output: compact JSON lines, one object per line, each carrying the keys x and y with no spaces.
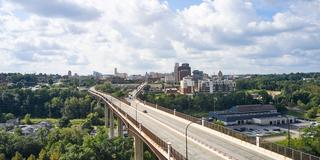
{"x":2,"y":156}
{"x":71,"y":109}
{"x":42,"y":155}
{"x":63,"y":122}
{"x":17,"y":156}
{"x":50,"y":82}
{"x":31,"y":157}
{"x":94,"y":119}
{"x":9,"y":116}
{"x":55,"y":106}
{"x":312,"y":113}
{"x":55,"y":155}
{"x":26,"y":119}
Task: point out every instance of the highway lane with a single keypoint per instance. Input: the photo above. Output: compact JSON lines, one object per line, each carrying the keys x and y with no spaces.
{"x":206,"y":137}
{"x":195,"y":152}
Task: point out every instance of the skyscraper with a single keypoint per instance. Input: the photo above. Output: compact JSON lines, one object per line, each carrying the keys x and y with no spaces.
{"x":69,"y":73}
{"x":197,"y":75}
{"x":115,"y":71}
{"x":176,"y":73}
{"x":183,"y":71}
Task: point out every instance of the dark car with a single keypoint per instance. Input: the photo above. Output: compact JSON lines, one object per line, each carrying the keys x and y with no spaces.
{"x":145,"y":111}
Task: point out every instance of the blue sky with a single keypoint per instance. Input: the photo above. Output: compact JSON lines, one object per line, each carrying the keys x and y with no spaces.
{"x":181,"y":4}
{"x":138,"y":36}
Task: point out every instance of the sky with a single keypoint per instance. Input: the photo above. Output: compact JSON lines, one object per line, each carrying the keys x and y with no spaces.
{"x":138,"y":36}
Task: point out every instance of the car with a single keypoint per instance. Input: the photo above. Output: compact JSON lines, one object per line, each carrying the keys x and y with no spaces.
{"x":276,"y":129}
{"x":145,"y":111}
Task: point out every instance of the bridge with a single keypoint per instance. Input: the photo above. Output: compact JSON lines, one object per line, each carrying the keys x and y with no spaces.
{"x":174,"y":135}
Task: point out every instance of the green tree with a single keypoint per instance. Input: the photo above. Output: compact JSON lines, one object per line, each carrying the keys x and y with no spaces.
{"x":42,"y":155}
{"x":63,"y":122}
{"x":2,"y":156}
{"x":55,"y":106}
{"x":55,"y":155}
{"x":26,"y":119}
{"x":31,"y":157}
{"x":17,"y":156}
{"x":312,"y":113}
{"x":9,"y":116}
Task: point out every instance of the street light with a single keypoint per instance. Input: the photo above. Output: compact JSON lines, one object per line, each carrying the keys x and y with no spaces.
{"x":214,"y":104}
{"x":187,"y":139}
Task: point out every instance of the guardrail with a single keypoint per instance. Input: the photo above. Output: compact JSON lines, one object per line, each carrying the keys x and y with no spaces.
{"x":282,"y":150}
{"x":288,"y":152}
{"x":164,"y":145}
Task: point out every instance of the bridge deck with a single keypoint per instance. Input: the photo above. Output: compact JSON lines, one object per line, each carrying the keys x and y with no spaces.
{"x":172,"y":129}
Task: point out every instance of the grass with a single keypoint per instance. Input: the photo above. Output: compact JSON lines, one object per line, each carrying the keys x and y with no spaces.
{"x":38,"y":120}
{"x":54,"y":121}
{"x":76,"y":122}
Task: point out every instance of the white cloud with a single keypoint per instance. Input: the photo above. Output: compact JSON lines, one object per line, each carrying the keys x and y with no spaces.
{"x":146,"y":35}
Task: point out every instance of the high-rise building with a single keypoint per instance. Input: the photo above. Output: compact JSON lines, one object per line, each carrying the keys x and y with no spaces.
{"x":183,"y":71}
{"x":121,"y":75}
{"x":115,"y":71}
{"x":220,"y":75}
{"x":197,"y":75}
{"x":176,"y":73}
{"x":69,"y":73}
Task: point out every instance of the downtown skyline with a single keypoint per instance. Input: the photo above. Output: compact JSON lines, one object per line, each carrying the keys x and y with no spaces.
{"x":237,"y":37}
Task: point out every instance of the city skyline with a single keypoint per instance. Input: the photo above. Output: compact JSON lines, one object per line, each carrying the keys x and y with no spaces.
{"x":237,"y":37}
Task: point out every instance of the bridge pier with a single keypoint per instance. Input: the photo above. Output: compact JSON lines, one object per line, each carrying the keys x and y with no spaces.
{"x":106,"y":116}
{"x":120,"y":127}
{"x":111,"y":127}
{"x":138,"y":148}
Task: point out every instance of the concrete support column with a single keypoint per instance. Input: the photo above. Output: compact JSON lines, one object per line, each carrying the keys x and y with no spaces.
{"x":169,"y":151}
{"x":258,"y":140}
{"x":111,"y":127}
{"x":120,"y":127}
{"x":138,"y":148}
{"x":106,"y":115}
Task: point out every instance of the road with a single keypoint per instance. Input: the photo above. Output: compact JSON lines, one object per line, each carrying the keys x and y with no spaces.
{"x":172,"y":129}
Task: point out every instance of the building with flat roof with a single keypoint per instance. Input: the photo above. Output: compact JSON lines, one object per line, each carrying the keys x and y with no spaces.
{"x":183,"y":71}
{"x":197,"y":75}
{"x":187,"y":85}
{"x":216,"y":85}
{"x":248,"y":114}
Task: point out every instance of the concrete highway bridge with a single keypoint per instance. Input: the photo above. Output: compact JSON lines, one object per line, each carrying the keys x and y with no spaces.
{"x":174,"y":135}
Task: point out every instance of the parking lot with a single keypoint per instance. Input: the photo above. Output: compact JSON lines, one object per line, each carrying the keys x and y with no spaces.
{"x":254,"y":130}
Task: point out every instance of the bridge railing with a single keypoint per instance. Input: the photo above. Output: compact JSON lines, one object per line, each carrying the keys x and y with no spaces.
{"x":230,"y":132}
{"x":282,"y":150}
{"x":176,"y":154}
{"x":211,"y":125}
{"x":164,"y":145}
{"x":288,"y":152}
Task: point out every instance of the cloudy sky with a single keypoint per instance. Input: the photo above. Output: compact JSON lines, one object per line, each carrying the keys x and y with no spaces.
{"x":235,"y":36}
